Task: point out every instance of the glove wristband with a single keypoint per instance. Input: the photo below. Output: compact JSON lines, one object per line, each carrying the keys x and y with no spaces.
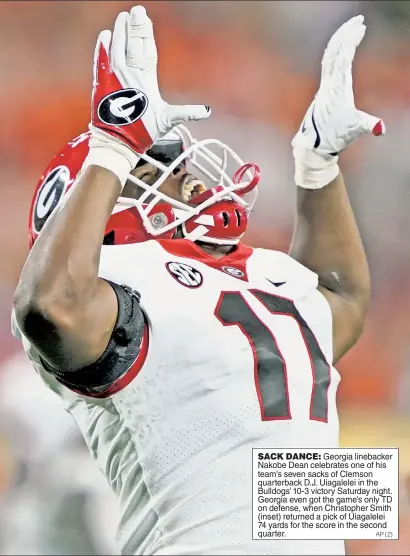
{"x":111,"y":160}
{"x":111,"y":154}
{"x":312,"y":170}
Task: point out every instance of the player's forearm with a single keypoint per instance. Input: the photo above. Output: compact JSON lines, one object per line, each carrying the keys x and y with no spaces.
{"x":62,"y":268}
{"x":326,"y":240}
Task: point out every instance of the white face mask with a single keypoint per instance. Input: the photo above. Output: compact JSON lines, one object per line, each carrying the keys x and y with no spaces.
{"x":211,"y":159}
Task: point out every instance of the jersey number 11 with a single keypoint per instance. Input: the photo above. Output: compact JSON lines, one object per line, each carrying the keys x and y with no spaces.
{"x":270,"y":366}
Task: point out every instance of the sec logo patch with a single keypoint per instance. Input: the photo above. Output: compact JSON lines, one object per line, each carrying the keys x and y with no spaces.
{"x":184,"y":274}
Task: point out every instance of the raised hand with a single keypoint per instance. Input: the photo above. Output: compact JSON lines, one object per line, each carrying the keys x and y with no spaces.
{"x":332,"y":121}
{"x":126,"y":101}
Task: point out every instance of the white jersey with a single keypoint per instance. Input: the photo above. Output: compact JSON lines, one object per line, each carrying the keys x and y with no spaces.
{"x":60,"y":484}
{"x":239,"y":357}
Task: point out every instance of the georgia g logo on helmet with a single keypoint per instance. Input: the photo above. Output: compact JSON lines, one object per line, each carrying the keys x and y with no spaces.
{"x":49,"y":195}
{"x":122,"y":107}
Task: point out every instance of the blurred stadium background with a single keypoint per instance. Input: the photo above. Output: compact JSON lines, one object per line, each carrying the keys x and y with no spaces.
{"x":257,"y":64}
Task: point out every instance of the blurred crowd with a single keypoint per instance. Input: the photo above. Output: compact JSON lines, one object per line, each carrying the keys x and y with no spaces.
{"x":257,"y":64}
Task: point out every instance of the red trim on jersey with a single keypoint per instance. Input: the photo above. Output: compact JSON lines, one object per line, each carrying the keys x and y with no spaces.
{"x":312,"y":365}
{"x":126,"y":378}
{"x":237,"y":258}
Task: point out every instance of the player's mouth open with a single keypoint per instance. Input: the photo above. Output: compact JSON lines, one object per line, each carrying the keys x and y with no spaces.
{"x":191,"y":187}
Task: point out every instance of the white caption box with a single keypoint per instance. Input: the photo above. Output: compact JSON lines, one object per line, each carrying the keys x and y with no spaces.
{"x":340,"y":493}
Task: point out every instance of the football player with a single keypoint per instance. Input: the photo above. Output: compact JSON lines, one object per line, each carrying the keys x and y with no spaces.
{"x":177,"y":348}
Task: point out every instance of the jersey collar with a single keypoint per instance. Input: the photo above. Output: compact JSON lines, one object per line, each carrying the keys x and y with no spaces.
{"x":234,"y":261}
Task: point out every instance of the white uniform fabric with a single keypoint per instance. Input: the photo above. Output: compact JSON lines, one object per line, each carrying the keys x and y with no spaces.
{"x":176,"y":444}
{"x":60,"y":504}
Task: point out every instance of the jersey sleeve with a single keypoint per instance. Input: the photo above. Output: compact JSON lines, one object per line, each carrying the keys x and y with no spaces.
{"x":300,"y":284}
{"x":316,"y":311}
{"x":121,"y":360}
{"x":312,"y":304}
{"x":279,"y":268}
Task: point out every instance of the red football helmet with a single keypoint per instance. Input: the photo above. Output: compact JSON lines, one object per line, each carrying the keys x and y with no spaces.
{"x":218,"y":215}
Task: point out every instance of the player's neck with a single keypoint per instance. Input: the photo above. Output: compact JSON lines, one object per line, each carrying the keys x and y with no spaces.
{"x":216,"y":251}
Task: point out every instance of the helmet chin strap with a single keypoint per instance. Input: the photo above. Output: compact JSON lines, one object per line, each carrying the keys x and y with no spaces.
{"x":204,"y":223}
{"x":198,"y":236}
{"x":198,"y":232}
{"x":195,"y":235}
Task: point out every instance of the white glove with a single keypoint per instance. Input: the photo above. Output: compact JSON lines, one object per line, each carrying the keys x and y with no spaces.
{"x":128,"y":113}
{"x":332,"y":121}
